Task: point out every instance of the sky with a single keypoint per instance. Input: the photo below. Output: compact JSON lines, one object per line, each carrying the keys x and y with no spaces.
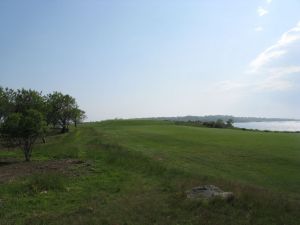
{"x":136,"y":58}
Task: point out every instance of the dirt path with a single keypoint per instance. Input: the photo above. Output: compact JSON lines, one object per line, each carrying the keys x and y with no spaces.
{"x":11,"y":169}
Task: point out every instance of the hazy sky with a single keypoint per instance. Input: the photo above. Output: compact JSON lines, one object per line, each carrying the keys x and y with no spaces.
{"x":144,"y":58}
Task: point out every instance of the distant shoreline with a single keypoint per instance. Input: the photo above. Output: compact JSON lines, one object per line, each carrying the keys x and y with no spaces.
{"x":209,"y":118}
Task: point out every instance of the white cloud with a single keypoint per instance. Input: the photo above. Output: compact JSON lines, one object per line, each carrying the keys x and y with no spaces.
{"x":261,"y":11}
{"x":278,"y":49}
{"x":272,"y":70}
{"x":259,"y":29}
{"x":276,"y":69}
{"x":265,"y":57}
{"x":279,"y":62}
{"x":269,"y":1}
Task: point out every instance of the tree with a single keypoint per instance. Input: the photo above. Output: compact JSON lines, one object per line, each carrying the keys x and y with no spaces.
{"x":3,"y":103}
{"x":29,"y":99}
{"x":25,"y":115}
{"x":61,"y":110}
{"x":229,"y":123}
{"x":219,"y":124}
{"x":78,"y":116}
{"x":6,"y":102}
{"x":23,"y":129}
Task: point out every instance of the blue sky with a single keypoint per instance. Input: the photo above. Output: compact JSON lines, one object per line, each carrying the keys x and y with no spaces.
{"x":135,"y":58}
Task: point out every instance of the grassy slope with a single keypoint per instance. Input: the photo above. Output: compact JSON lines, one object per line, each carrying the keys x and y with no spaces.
{"x":270,"y":160}
{"x":141,"y":169}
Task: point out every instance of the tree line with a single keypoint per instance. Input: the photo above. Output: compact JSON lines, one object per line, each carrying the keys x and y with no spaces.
{"x":211,"y":124}
{"x":27,"y":115}
{"x":219,"y":124}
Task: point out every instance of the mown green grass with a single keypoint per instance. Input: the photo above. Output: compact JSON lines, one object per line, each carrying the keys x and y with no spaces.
{"x":270,"y":160}
{"x":140,"y":171}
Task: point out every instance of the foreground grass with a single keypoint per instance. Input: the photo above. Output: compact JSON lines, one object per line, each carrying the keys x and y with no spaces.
{"x":139,"y":172}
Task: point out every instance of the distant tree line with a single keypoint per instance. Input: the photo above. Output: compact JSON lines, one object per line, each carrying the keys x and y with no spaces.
{"x":222,"y":117}
{"x":27,"y":115}
{"x":219,"y":124}
{"x":211,"y":124}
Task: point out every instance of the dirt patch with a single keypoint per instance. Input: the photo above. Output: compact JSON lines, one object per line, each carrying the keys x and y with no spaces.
{"x":11,"y":169}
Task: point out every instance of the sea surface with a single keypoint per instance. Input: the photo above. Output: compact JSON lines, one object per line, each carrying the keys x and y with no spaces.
{"x":271,"y":126}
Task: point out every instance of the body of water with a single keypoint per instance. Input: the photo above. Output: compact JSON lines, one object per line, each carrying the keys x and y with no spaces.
{"x":271,"y":126}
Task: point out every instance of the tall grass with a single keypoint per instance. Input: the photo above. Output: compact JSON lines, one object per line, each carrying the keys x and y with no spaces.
{"x":44,"y":182}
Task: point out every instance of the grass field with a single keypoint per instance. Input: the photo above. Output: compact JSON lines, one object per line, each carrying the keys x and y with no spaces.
{"x":137,"y":172}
